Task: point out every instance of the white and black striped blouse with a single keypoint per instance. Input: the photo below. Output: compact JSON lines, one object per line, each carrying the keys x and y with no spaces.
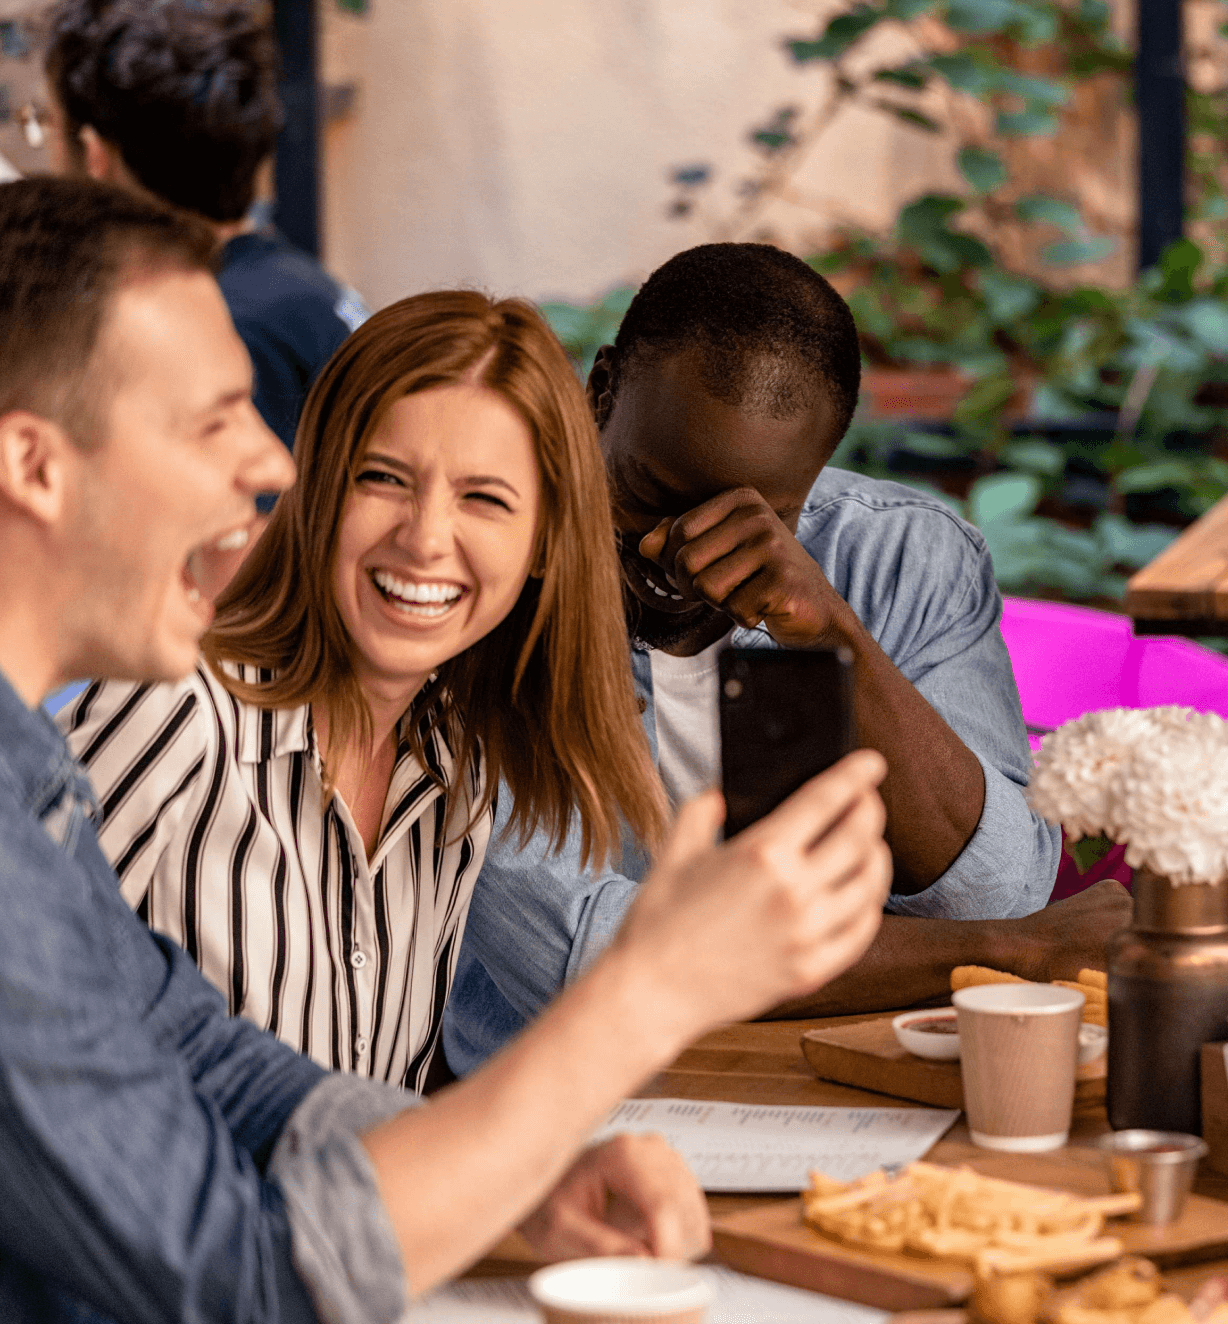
{"x":212,"y":816}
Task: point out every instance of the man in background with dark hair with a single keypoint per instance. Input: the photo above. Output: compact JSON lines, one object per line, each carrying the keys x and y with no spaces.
{"x":733,"y":378}
{"x":179,"y":99}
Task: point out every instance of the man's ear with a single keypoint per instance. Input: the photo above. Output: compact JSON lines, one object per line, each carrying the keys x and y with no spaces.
{"x":102,"y":160}
{"x":33,"y":475}
{"x":600,"y":388}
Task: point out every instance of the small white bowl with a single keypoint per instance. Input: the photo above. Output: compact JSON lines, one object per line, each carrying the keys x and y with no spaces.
{"x":1093,"y":1039}
{"x":940,"y":1047}
{"x":621,"y":1290}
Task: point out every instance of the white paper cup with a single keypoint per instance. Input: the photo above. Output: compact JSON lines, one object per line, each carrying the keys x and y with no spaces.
{"x":621,"y":1290}
{"x":1019,"y":1046}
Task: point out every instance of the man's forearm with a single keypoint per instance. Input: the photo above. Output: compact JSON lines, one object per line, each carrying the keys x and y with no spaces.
{"x":910,"y":960}
{"x":935,"y":788}
{"x":785,"y":905}
{"x":457,"y":1175}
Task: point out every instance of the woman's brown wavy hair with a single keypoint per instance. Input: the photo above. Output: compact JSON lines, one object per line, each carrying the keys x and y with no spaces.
{"x":547,"y":694}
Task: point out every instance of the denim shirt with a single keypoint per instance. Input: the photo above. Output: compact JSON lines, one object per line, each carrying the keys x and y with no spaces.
{"x":921,"y":581}
{"x":138,"y":1121}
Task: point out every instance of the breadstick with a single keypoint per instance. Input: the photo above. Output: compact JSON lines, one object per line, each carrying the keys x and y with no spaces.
{"x":1095,"y":1001}
{"x":970,"y":976}
{"x":1091,"y":991}
{"x":1097,"y":978}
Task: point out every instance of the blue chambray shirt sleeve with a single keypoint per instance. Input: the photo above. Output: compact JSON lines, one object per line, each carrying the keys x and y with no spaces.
{"x":1008,"y":868}
{"x":535,"y":922}
{"x":345,"y":1248}
{"x":921,"y":580}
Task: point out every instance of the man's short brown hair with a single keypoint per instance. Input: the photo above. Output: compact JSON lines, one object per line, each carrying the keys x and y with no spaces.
{"x":66,"y":246}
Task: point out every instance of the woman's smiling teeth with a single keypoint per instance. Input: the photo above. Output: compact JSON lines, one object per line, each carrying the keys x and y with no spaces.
{"x":416,"y":599}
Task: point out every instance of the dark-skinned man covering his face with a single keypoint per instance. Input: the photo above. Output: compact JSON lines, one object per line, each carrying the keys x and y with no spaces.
{"x":732,"y":380}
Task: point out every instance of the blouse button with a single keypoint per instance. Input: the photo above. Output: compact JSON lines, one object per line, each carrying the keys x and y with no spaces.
{"x":360,"y":1045}
{"x":358,"y":959}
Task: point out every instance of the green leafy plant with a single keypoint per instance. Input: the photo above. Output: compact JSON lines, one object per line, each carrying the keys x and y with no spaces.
{"x":1126,"y":436}
{"x":1151,"y":360}
{"x":584,"y":328}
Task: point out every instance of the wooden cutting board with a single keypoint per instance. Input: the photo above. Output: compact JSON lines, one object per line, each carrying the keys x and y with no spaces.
{"x":869,"y":1057}
{"x":772,"y":1242}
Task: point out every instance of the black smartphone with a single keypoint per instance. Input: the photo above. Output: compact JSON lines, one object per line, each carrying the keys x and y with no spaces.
{"x":785,"y":716}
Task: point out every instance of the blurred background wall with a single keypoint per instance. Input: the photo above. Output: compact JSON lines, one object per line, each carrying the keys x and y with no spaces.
{"x":534,"y":145}
{"x":531,"y":146}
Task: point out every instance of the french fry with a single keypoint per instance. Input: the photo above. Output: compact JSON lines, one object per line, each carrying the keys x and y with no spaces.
{"x":1046,"y":1258}
{"x":848,"y":1196}
{"x":955,"y":1214}
{"x":1114,"y":1206}
{"x":970,"y":976}
{"x":822,"y":1184}
{"x":1097,"y":978}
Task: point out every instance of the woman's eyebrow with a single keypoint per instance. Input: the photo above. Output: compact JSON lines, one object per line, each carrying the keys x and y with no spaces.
{"x":485,"y":480}
{"x":465,"y":480}
{"x":390,"y":460}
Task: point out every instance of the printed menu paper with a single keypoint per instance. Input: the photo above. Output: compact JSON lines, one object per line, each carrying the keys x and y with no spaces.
{"x":739,"y":1298}
{"x":742,"y":1147}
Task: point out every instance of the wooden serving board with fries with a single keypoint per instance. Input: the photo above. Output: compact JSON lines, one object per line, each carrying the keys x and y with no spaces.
{"x":772,"y":1242}
{"x":869,"y":1057}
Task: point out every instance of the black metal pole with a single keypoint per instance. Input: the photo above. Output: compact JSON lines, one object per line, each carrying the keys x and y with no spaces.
{"x":297,"y":210}
{"x":1160,"y":97}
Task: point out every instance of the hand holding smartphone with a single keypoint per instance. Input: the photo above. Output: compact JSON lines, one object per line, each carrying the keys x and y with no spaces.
{"x":785,"y":716}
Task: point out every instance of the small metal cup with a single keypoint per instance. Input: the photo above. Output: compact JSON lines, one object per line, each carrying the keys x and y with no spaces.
{"x":1159,"y":1165}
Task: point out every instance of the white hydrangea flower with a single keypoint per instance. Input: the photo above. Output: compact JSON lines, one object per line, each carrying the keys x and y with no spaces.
{"x":1154,"y":778}
{"x":1073,"y":778}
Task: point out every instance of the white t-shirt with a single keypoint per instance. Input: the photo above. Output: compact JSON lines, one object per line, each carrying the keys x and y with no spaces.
{"x":685,"y":696}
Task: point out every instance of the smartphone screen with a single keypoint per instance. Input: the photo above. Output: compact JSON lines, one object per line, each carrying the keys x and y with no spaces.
{"x":785,"y":716}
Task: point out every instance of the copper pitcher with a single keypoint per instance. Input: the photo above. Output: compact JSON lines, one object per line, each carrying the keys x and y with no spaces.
{"x":1168,"y":995}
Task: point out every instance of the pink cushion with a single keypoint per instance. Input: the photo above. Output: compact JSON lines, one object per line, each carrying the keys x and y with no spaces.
{"x":1072,"y":660}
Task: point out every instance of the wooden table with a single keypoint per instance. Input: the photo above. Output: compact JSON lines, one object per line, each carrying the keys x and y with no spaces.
{"x":1185,"y":589}
{"x":762,"y":1063}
